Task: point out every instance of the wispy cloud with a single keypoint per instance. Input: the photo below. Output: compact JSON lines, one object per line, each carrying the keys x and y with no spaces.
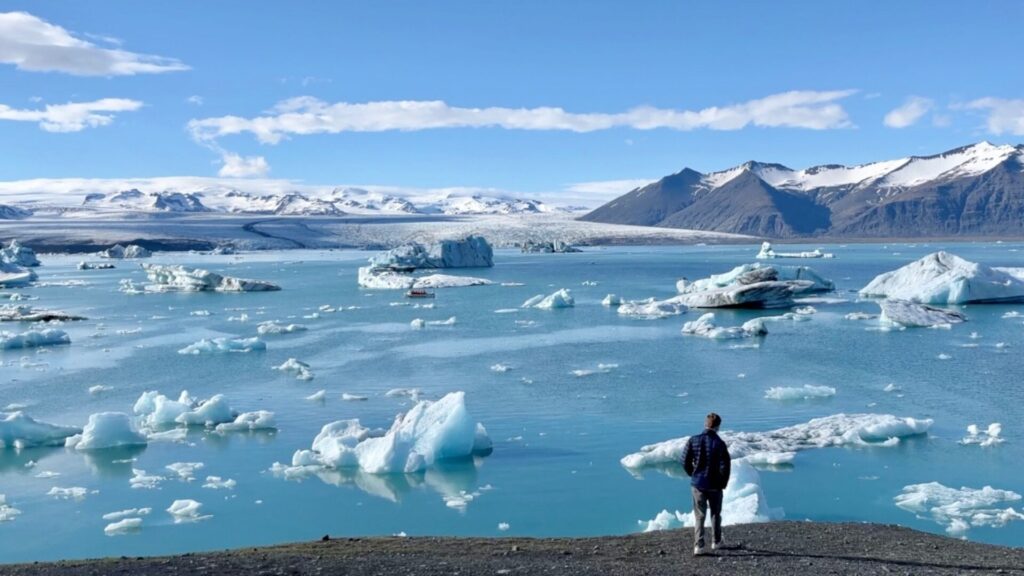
{"x":307,"y":115}
{"x":73,"y":116}
{"x":907,"y":114}
{"x":237,"y":166}
{"x":195,"y":100}
{"x":1004,"y":115}
{"x":33,"y":44}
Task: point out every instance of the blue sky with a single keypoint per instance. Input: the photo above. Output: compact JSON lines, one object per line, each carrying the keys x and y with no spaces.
{"x":947,"y":69}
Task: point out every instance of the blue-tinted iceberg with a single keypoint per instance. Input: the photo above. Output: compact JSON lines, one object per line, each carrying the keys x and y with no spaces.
{"x":106,"y":430}
{"x":182,"y":279}
{"x":944,"y":278}
{"x":560,"y":299}
{"x":33,"y":339}
{"x":18,"y":430}
{"x":469,"y":252}
{"x":18,"y":255}
{"x":12,"y":275}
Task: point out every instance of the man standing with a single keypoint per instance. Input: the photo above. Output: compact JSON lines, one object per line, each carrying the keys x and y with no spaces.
{"x":707,"y":462}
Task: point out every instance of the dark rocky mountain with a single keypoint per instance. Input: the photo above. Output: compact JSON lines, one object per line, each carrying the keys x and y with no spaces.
{"x":975,"y":190}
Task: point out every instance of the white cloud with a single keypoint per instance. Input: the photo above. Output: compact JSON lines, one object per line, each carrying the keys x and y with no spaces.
{"x":195,"y":100}
{"x":73,"y":116}
{"x":908,"y":113}
{"x":307,"y":115}
{"x":1004,"y":116}
{"x":236,"y":166}
{"x":33,"y":44}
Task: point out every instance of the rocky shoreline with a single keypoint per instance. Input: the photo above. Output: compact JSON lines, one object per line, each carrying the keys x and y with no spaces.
{"x":784,"y":548}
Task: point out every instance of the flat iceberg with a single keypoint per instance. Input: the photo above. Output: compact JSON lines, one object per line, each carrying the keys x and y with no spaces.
{"x":743,"y":502}
{"x":118,"y":252}
{"x":829,"y":431}
{"x":182,"y":279}
{"x":224,"y":345}
{"x":12,"y":275}
{"x":17,"y":313}
{"x":943,"y":278}
{"x":18,"y":255}
{"x":20,"y":431}
{"x":379,"y":278}
{"x":990,"y":436}
{"x":560,"y":299}
{"x":768,"y":253}
{"x":249,"y":421}
{"x":186,"y":510}
{"x":33,"y":339}
{"x":961,"y":509}
{"x":123,"y":526}
{"x":651,"y":308}
{"x":911,"y":314}
{"x":705,"y":326}
{"x":428,"y":433}
{"x":106,"y":430}
{"x":753,"y":286}
{"x":275,"y":328}
{"x":805,"y":392}
{"x":469,"y":252}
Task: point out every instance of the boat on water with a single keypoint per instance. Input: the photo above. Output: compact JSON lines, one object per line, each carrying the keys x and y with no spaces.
{"x":419,"y":293}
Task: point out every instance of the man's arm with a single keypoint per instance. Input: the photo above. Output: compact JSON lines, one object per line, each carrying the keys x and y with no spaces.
{"x":724,"y":464}
{"x":688,"y":457}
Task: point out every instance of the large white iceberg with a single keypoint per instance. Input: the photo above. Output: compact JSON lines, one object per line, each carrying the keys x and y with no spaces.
{"x":156,"y":411}
{"x":560,"y":299}
{"x":224,"y":345}
{"x":829,"y":431}
{"x":752,"y":285}
{"x":911,"y":314}
{"x":15,"y":253}
{"x":960,"y":509}
{"x":20,"y":431}
{"x":106,"y":430}
{"x":768,"y":253}
{"x":469,"y":252}
{"x":386,"y":279}
{"x":428,"y":433}
{"x":943,"y":278}
{"x":743,"y":502}
{"x":119,"y":252}
{"x":180,"y":278}
{"x":12,"y":275}
{"x":705,"y":326}
{"x":33,"y":339}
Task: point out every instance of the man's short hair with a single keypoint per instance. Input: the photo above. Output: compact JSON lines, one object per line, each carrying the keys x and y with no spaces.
{"x":712,"y":421}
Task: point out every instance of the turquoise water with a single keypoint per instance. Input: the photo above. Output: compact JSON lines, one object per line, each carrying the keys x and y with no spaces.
{"x":557,"y":437}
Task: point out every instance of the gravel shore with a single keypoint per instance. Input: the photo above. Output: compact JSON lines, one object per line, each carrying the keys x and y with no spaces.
{"x":783,"y":548}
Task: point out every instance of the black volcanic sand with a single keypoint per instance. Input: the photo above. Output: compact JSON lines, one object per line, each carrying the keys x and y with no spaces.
{"x":784,"y":548}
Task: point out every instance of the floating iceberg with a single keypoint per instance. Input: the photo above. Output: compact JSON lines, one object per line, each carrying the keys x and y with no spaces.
{"x":33,"y":339}
{"x":106,"y":430}
{"x":248,"y":421}
{"x":118,"y":252}
{"x":13,"y":313}
{"x":549,"y":247}
{"x":224,"y":345}
{"x":7,"y":512}
{"x":743,"y":502}
{"x":560,"y":299}
{"x":179,"y":278}
{"x":12,"y":275}
{"x":911,"y":314}
{"x":157,"y":411}
{"x":274,"y":328}
{"x":959,"y":509}
{"x":20,"y":431}
{"x":805,"y":392}
{"x":652,"y":309}
{"x":124,"y":526}
{"x":95,"y":266}
{"x":385,"y":279}
{"x":428,"y":433}
{"x":943,"y":278}
{"x":15,"y":253}
{"x":753,"y":286}
{"x":829,"y":431}
{"x":768,"y":253}
{"x":300,"y":369}
{"x":705,"y":326}
{"x":987,"y":437}
{"x":611,"y":301}
{"x":186,"y":511}
{"x":469,"y":252}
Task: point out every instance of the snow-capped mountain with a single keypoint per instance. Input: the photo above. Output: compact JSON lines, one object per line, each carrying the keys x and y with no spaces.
{"x":13,"y":212}
{"x":137,"y":201}
{"x":972,"y":190}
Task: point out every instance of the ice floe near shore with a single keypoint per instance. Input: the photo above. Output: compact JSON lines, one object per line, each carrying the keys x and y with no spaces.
{"x":559,"y":299}
{"x":944,"y":278}
{"x":18,"y":431}
{"x":753,"y":286}
{"x":469,"y":252}
{"x":118,"y":252}
{"x":961,"y":509}
{"x":224,"y":345}
{"x":18,"y":255}
{"x":705,"y":326}
{"x":33,"y":339}
{"x":743,"y":502}
{"x":768,"y":252}
{"x":182,"y":279}
{"x":106,"y":430}
{"x":826,"y":432}
{"x":430,"y":432}
{"x":903,"y":313}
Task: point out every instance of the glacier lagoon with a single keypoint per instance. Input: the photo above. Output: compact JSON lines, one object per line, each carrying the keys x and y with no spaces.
{"x":564,"y":394}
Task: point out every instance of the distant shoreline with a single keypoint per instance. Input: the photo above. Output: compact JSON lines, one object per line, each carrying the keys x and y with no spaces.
{"x":752,"y":549}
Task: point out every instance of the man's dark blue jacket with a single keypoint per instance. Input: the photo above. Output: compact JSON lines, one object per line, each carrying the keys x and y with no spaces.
{"x":707,"y":461}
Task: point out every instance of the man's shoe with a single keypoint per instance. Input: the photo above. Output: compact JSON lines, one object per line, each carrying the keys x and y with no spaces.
{"x":698,"y":550}
{"x":717,"y":545}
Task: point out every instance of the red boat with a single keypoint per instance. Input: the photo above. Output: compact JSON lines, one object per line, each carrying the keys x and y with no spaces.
{"x":419,"y":293}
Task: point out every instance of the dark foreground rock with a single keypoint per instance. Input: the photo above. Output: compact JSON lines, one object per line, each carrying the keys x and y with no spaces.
{"x":784,"y":548}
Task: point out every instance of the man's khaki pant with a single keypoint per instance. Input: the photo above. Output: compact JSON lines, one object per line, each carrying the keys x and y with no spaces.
{"x":702,"y":500}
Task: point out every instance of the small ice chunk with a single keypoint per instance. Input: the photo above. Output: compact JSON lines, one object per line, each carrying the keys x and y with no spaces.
{"x":76,"y":493}
{"x":106,"y":430}
{"x":19,"y":431}
{"x":180,"y":278}
{"x":353,"y":397}
{"x":218,"y":483}
{"x":499,"y":367}
{"x":959,"y":509}
{"x":7,"y":512}
{"x":805,"y":392}
{"x":124,"y":526}
{"x":186,"y":510}
{"x":611,"y":301}
{"x":224,"y":345}
{"x":275,"y":328}
{"x":33,"y":339}
{"x":186,"y":471}
{"x":120,"y":514}
{"x":99,"y":389}
{"x":560,"y":299}
{"x":449,"y":322}
{"x":247,"y":421}
{"x":503,"y":526}
{"x":300,"y":369}
{"x":318,"y":396}
{"x":141,"y":480}
{"x":417,"y":323}
{"x":705,"y":326}
{"x":984,"y":438}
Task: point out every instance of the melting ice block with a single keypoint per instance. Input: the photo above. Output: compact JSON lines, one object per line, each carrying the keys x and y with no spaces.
{"x":560,"y":299}
{"x":182,"y":279}
{"x":224,"y":345}
{"x":944,"y":278}
{"x":20,"y":431}
{"x":12,"y":275}
{"x":106,"y":430}
{"x":960,"y":509}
